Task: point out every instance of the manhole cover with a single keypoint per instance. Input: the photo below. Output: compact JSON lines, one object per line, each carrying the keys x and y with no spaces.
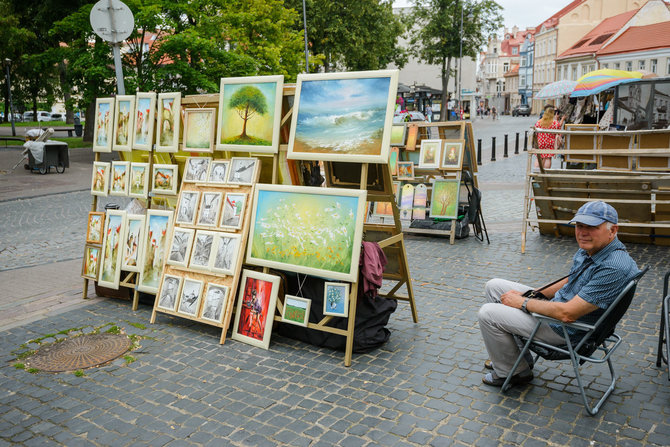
{"x":81,"y":352}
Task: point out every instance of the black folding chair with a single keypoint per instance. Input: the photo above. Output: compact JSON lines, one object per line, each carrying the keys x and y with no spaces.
{"x":664,"y":331}
{"x":596,"y":337}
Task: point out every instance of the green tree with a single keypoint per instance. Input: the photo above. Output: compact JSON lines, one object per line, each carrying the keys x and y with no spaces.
{"x":15,"y":39}
{"x":247,"y":102}
{"x":436,"y":34}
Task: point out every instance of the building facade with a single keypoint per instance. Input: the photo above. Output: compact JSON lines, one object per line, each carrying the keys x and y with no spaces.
{"x":526,"y":56}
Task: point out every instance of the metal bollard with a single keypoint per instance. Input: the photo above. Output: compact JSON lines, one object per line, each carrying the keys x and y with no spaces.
{"x":516,"y":144}
{"x":479,"y":151}
{"x":493,"y":148}
{"x":525,"y":140}
{"x":505,"y":148}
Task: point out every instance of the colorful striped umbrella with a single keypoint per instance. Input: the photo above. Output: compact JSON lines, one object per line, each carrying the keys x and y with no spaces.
{"x":556,"y":89}
{"x":600,"y":80}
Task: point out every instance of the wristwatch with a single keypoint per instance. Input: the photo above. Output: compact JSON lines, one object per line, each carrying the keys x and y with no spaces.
{"x":523,"y":306}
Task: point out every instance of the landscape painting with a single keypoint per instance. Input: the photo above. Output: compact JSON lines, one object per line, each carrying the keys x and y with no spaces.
{"x":343,"y":116}
{"x":250,"y":113}
{"x":444,"y":200}
{"x":110,"y":267}
{"x":199,"y":130}
{"x":145,"y":115}
{"x":123,"y":123}
{"x":316,"y":231}
{"x":164,"y":180}
{"x":139,"y":180}
{"x":256,"y":305}
{"x":133,"y":243}
{"x":120,"y":178}
{"x":104,"y":125}
{"x":296,"y":310}
{"x":157,"y":230}
{"x":90,"y":267}
{"x":169,"y":114}
{"x":398,"y":135}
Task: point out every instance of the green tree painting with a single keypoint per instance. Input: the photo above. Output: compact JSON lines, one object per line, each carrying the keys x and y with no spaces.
{"x":248,"y":102}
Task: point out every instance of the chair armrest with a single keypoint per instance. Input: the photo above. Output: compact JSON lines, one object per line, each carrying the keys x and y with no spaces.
{"x":576,"y":324}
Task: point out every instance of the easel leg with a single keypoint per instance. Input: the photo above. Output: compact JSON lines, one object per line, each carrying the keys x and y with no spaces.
{"x":353,"y":297}
{"x":136,"y":298}
{"x":408,"y":284}
{"x":85,"y":294}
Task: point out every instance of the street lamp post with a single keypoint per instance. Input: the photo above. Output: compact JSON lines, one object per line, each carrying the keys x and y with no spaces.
{"x":460,"y":64}
{"x":8,"y":63}
{"x":304,"y":21}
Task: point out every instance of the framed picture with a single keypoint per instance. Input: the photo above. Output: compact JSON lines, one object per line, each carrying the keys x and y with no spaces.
{"x":96,"y":221}
{"x":124,"y":113}
{"x":154,"y":247}
{"x":210,"y":207}
{"x":199,"y":130}
{"x":189,"y":298}
{"x":218,"y":171}
{"x":444,"y":199}
{"x":325,"y":224}
{"x":164,"y":179}
{"x":139,"y":180}
{"x":169,"y":120}
{"x":145,"y":116}
{"x":336,"y":299}
{"x":452,"y":155}
{"x":242,"y":170}
{"x":250,"y":114}
{"x":233,"y":210}
{"x":104,"y":125}
{"x":256,"y":305}
{"x":188,"y":204}
{"x":394,"y":156}
{"x":405,"y":170}
{"x":296,"y":310}
{"x":343,"y":116}
{"x":203,"y":247}
{"x":180,"y":247}
{"x":169,"y":292}
{"x":133,"y":243}
{"x":429,"y":156}
{"x":100,"y":178}
{"x":119,"y":185}
{"x":412,"y":135}
{"x":196,"y":169}
{"x":89,"y":269}
{"x":226,"y":249}
{"x":112,"y":244}
{"x":214,"y":302}
{"x":398,"y":133}
{"x":385,"y":209}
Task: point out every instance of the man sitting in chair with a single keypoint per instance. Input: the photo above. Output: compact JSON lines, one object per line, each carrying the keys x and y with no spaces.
{"x":600,"y":269}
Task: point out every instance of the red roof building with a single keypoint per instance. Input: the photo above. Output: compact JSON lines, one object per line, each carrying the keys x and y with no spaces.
{"x":645,"y":48}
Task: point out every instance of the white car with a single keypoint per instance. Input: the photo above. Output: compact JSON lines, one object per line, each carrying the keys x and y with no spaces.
{"x":56,"y":116}
{"x":41,"y":116}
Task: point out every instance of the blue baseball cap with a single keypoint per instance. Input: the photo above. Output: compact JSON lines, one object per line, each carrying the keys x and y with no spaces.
{"x":595,"y":213}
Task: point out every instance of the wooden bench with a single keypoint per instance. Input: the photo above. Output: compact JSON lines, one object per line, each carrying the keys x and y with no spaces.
{"x":8,"y":139}
{"x":69,"y":130}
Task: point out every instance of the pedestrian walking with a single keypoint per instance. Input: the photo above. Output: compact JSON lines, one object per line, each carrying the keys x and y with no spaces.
{"x":548,"y":141}
{"x":429,"y":113}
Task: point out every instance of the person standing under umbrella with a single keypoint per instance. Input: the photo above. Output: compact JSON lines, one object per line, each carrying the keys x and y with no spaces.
{"x":547,"y":141}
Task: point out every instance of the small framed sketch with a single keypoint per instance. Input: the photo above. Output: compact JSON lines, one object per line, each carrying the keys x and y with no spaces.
{"x":164,"y":180}
{"x":120,"y":178}
{"x":242,"y":170}
{"x":112,"y":245}
{"x":210,"y":207}
{"x":124,"y":113}
{"x":180,"y":248}
{"x":336,"y":299}
{"x":139,"y":180}
{"x":100,"y":178}
{"x":215,"y":302}
{"x":89,"y":269}
{"x":145,"y":116}
{"x":170,"y":288}
{"x":189,"y":298}
{"x":233,"y":210}
{"x":188,"y":205}
{"x":133,"y":243}
{"x":199,"y":129}
{"x":256,"y":305}
{"x":104,"y":125}
{"x":157,"y":230}
{"x":398,"y":133}
{"x":218,"y":171}
{"x":203,"y":246}
{"x":452,"y":155}
{"x":429,"y":156}
{"x":226,"y":249}
{"x":196,"y":169}
{"x":296,"y":310}
{"x":96,"y":221}
{"x":405,"y":170}
{"x":169,"y":120}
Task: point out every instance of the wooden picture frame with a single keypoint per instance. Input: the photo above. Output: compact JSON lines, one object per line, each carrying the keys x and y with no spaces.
{"x":331,"y":110}
{"x":218,"y":172}
{"x":91,"y":262}
{"x":429,"y":154}
{"x":132,"y":247}
{"x":111,"y":254}
{"x":181,"y":245}
{"x":256,"y":305}
{"x":168,"y":122}
{"x":124,"y":119}
{"x":398,"y":135}
{"x":444,"y":198}
{"x":169,"y":293}
{"x":296,"y":310}
{"x":232,"y":216}
{"x":95,"y":227}
{"x":158,"y":227}
{"x":250,"y":114}
{"x":190,"y":297}
{"x":139,"y":180}
{"x":405,"y":170}
{"x":199,"y":126}
{"x":412,"y":136}
{"x":196,"y":169}
{"x":336,"y":299}
{"x":164,"y":179}
{"x":187,"y":208}
{"x":145,"y":118}
{"x":100,"y":178}
{"x":215,"y":302}
{"x":452,"y":155}
{"x":119,"y":178}
{"x":203,"y":250}
{"x":103,"y":132}
{"x":394,"y":158}
{"x":242,"y":170}
{"x":225,"y":253}
{"x":210,"y":209}
{"x":277,"y":208}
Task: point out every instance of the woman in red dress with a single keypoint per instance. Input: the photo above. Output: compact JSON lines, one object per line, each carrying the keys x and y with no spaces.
{"x":547,"y":140}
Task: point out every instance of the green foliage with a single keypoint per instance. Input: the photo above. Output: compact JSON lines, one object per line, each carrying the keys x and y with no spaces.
{"x":19,"y":365}
{"x":129,"y":359}
{"x":79,"y":373}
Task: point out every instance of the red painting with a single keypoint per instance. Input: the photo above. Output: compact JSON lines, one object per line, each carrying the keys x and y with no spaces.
{"x":254,"y":311}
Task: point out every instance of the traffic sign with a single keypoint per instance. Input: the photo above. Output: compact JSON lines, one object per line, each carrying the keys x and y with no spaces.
{"x":112,"y":20}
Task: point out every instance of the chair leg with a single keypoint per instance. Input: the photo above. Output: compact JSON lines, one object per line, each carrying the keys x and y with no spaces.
{"x":666,"y":317}
{"x":661,"y":335}
{"x":592,"y":411}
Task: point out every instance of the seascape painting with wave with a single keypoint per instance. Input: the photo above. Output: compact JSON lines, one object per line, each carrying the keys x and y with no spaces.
{"x":343,"y":116}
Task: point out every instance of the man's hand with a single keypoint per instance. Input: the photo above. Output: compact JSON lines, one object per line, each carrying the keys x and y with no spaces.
{"x":513,"y":298}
